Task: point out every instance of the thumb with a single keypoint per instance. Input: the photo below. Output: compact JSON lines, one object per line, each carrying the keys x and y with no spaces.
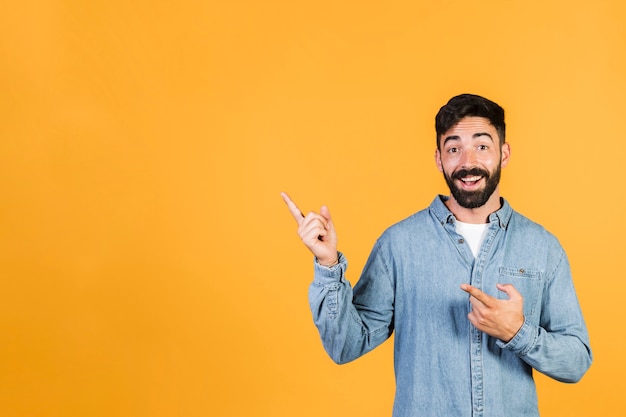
{"x":325,"y":212}
{"x":510,"y":290}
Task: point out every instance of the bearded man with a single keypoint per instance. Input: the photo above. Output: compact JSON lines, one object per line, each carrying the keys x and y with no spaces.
{"x":478,"y":295}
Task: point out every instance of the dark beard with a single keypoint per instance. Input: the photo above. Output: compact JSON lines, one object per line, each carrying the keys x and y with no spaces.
{"x":473,"y":199}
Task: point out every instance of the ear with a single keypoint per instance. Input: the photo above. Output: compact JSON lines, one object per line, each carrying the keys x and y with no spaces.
{"x":438,"y":160}
{"x":506,"y":154}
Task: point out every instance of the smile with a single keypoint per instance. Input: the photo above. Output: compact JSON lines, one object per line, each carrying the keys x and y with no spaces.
{"x":471,"y":180}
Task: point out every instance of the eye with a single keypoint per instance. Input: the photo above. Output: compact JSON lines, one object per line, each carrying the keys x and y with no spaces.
{"x":483,"y":147}
{"x":452,"y":150}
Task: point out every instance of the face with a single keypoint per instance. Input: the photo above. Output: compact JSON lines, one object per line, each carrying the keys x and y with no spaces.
{"x":470,"y":159}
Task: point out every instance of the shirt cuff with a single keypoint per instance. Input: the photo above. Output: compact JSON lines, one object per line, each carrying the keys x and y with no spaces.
{"x":325,"y":275}
{"x":523,"y":341}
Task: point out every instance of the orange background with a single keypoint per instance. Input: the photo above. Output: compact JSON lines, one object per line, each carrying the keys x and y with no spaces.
{"x":148,"y":264}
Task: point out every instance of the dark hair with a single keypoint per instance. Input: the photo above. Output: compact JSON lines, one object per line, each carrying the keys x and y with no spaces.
{"x":469,"y":105}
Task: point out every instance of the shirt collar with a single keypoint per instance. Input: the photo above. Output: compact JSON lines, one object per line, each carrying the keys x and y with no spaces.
{"x":501,"y":217}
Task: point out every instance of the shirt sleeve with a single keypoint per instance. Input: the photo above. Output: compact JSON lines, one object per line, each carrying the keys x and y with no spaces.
{"x":559,"y":345}
{"x":352,"y":322}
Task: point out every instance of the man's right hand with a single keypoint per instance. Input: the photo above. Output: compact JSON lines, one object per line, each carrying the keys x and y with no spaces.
{"x":317,"y":232}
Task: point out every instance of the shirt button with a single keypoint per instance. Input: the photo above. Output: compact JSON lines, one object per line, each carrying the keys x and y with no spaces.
{"x":461,"y":241}
{"x":521,"y":270}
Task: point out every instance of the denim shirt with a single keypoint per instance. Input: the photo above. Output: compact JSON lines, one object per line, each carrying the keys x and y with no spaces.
{"x":444,"y":366}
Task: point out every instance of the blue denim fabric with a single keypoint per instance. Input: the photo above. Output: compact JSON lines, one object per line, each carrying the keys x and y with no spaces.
{"x":444,"y":366}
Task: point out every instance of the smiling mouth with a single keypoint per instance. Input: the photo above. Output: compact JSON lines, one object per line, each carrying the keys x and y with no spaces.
{"x":471,"y":180}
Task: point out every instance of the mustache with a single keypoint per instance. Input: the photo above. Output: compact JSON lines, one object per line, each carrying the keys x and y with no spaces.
{"x":470,"y":172}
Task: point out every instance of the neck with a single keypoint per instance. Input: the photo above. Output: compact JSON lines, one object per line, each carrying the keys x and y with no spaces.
{"x":476,"y":215}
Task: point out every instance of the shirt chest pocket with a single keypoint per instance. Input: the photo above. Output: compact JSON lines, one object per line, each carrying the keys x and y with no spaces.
{"x":527,"y":282}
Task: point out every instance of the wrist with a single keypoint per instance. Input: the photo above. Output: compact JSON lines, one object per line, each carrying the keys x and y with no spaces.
{"x":328,"y":264}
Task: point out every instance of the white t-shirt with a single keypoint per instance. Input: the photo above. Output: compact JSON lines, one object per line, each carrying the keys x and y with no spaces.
{"x":473,"y":234}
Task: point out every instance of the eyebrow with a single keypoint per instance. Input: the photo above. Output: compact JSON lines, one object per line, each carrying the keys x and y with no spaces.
{"x":474,"y":136}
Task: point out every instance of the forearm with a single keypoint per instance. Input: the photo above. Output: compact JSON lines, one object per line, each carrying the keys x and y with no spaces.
{"x":346,"y":331}
{"x":562,"y":356}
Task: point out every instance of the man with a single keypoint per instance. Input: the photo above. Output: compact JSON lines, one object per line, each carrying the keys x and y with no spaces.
{"x":477,"y":294}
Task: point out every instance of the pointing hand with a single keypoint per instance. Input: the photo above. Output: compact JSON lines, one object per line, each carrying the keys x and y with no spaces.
{"x":317,"y":232}
{"x":497,"y":318}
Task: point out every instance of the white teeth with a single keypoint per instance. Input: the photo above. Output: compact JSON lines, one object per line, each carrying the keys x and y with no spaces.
{"x":470,"y":179}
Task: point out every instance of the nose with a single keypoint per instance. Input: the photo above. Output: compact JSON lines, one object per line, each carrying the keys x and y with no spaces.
{"x":469,"y":159}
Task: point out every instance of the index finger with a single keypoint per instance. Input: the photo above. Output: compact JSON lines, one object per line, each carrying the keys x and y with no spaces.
{"x":295,"y":211}
{"x":477,"y":294}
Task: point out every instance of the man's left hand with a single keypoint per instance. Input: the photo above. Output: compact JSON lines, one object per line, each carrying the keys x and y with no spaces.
{"x":497,"y":318}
